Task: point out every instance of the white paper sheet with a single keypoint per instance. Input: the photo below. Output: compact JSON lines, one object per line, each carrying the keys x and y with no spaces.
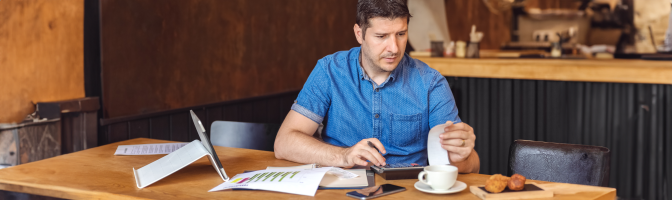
{"x":435,"y":153}
{"x":297,"y":181}
{"x":332,"y":181}
{"x":148,"y":149}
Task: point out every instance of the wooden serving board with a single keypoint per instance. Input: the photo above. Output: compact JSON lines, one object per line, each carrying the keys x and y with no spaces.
{"x":530,"y":191}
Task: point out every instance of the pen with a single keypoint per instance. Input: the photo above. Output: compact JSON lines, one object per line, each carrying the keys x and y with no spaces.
{"x":374,"y":147}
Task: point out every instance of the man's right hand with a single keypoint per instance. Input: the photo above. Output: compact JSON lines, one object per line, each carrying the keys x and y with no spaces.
{"x":359,"y":153}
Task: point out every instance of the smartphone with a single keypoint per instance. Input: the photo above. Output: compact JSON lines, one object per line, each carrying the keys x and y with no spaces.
{"x":375,"y":191}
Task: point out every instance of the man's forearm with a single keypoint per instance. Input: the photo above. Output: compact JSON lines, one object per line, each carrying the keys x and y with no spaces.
{"x":471,"y":165}
{"x":302,"y":148}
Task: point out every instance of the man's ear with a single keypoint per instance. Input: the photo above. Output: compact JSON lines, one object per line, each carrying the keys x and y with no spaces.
{"x":358,"y":33}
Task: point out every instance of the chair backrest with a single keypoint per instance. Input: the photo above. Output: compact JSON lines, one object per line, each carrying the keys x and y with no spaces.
{"x":558,"y":162}
{"x":260,"y":136}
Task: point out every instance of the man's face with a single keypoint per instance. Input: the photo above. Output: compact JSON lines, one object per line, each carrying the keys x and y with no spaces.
{"x":384,"y":44}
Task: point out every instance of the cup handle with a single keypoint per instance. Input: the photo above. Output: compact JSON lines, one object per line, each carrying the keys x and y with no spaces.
{"x":421,"y":177}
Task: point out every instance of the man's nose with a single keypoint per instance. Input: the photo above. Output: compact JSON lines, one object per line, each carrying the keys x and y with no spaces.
{"x":393,"y":45}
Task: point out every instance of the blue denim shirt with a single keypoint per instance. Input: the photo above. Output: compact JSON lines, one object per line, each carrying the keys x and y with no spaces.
{"x":399,"y":112}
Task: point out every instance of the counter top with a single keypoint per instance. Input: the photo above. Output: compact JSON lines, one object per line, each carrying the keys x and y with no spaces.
{"x":584,"y":70}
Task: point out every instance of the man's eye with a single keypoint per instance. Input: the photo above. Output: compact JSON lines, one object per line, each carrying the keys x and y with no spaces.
{"x":380,"y":36}
{"x":401,"y":34}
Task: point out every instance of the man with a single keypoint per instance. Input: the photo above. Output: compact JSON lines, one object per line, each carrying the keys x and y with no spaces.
{"x":375,"y":93}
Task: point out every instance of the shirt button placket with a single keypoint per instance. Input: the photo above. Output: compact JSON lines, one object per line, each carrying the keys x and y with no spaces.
{"x":376,"y":114}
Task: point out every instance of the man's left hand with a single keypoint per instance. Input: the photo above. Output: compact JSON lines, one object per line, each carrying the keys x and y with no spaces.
{"x":458,"y":139}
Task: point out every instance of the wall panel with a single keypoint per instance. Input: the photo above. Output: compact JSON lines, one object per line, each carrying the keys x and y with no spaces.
{"x":178,"y":53}
{"x":41,"y":54}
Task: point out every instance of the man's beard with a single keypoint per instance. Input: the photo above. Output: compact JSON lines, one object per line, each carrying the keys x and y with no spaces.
{"x":375,"y":65}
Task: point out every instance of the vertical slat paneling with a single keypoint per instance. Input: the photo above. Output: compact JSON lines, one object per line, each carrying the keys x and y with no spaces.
{"x":629,"y":119}
{"x":214,"y":114}
{"x":139,"y":128}
{"x":528,"y":110}
{"x":230,"y":113}
{"x":667,"y":125}
{"x":91,"y":129}
{"x":517,"y":105}
{"x":160,"y":127}
{"x":273,"y":111}
{"x":540,"y":114}
{"x":482,"y":120}
{"x":245,"y":111}
{"x":180,"y":125}
{"x":575,"y":107}
{"x":69,"y":130}
{"x":260,"y":106}
{"x":118,"y":132}
{"x":505,"y":119}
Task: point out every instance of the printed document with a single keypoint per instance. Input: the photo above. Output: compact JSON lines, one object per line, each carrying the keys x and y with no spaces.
{"x":295,"y":181}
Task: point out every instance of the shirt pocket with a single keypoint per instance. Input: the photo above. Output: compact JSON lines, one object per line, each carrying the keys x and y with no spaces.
{"x":405,"y":129}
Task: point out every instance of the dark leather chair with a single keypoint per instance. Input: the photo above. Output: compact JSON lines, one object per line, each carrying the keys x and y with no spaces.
{"x":558,"y":162}
{"x":260,"y":136}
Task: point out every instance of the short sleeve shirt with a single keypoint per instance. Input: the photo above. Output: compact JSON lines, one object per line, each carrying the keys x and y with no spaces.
{"x":399,"y":112}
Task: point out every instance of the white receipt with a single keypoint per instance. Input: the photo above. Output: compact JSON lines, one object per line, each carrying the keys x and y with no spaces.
{"x":148,"y":149}
{"x":436,"y":154}
{"x":341,"y":173}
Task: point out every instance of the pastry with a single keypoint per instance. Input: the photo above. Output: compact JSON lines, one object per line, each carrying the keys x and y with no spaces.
{"x":517,"y":182}
{"x":496,"y":184}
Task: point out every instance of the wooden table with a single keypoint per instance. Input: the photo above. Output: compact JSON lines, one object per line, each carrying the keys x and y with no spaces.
{"x":588,"y":70}
{"x":97,"y":174}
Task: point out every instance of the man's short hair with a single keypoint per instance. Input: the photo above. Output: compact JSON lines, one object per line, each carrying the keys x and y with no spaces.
{"x":390,"y":9}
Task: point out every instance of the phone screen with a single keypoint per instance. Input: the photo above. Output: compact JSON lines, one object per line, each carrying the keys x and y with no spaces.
{"x":375,"y":191}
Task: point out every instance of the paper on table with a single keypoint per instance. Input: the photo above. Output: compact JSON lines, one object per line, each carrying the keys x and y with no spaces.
{"x":148,"y":149}
{"x":306,"y":166}
{"x":332,"y":181}
{"x":436,"y":154}
{"x":335,"y":171}
{"x":296,"y":181}
{"x":342,"y":174}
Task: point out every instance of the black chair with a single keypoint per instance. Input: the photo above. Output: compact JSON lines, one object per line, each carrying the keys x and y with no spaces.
{"x":557,"y":162}
{"x":260,"y":136}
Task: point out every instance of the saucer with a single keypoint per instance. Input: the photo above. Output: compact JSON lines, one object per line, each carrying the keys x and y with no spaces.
{"x":458,"y":187}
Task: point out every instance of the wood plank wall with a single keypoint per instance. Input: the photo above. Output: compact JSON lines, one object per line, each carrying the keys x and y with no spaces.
{"x":176,"y":53}
{"x":41,"y":54}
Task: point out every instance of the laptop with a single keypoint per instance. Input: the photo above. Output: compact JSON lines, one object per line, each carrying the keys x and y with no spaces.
{"x":208,"y":146}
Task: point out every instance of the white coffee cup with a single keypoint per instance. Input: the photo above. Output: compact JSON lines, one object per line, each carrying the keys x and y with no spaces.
{"x":439,"y":177}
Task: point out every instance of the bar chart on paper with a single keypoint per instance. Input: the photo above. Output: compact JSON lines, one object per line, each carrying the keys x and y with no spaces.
{"x":284,"y":177}
{"x":295,"y":181}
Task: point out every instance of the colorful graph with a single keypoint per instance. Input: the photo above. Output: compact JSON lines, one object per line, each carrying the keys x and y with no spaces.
{"x":267,"y":177}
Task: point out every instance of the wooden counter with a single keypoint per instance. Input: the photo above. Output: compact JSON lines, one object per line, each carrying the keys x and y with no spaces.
{"x":586,"y":70}
{"x":97,"y":174}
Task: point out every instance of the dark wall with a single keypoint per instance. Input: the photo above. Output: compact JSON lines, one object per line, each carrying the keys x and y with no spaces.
{"x":633,"y":120}
{"x":179,"y":53}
